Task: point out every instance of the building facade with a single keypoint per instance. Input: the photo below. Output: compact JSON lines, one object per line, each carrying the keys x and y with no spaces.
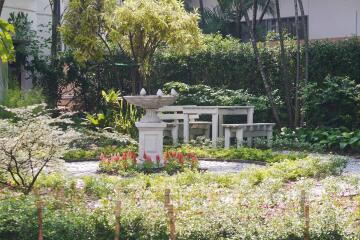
{"x":327,"y":19}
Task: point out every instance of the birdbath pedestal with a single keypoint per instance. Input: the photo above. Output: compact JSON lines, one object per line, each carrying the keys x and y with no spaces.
{"x":151,"y":128}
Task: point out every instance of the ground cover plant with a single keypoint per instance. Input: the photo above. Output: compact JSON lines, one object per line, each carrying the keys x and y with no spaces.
{"x":243,"y":153}
{"x":207,"y":206}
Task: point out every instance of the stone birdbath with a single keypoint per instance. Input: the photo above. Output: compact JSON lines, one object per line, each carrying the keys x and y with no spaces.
{"x":151,"y":128}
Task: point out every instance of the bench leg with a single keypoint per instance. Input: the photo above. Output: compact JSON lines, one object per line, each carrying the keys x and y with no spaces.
{"x":249,"y":141}
{"x":175,"y":134}
{"x":269,"y":135}
{"x":239,"y":137}
{"x":207,"y":132}
{"x":227,"y":138}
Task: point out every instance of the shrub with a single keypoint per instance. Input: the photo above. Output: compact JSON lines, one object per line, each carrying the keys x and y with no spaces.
{"x":320,"y":139}
{"x":333,"y":103}
{"x":249,"y":154}
{"x":16,"y":97}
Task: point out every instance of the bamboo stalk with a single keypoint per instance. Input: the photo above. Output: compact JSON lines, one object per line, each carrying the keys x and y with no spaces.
{"x":40,"y":222}
{"x":171,"y":216}
{"x":307,"y":222}
{"x":167,"y":198}
{"x":117,"y":220}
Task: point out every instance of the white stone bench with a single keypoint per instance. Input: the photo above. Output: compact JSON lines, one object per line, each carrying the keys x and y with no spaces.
{"x":248,"y":131}
{"x":174,"y":117}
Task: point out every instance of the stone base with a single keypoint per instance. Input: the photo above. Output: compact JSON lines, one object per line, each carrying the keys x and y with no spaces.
{"x":151,"y":140}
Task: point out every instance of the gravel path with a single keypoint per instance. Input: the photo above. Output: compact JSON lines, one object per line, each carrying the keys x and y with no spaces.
{"x":353,"y":166}
{"x":90,"y":167}
{"x":87,"y":168}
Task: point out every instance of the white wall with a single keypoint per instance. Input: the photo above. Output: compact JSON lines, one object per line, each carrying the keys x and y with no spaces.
{"x":327,"y":18}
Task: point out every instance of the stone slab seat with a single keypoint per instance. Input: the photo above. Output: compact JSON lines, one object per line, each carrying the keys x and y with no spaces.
{"x":174,"y":117}
{"x":248,"y":130}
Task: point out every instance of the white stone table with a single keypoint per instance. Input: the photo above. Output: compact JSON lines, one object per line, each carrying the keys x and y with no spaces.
{"x":217,"y":113}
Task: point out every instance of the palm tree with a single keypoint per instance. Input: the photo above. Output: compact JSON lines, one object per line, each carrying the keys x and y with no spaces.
{"x":232,"y":11}
{"x":266,"y":78}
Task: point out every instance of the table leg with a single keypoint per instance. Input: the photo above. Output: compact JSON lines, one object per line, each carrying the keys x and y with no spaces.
{"x":250,"y":116}
{"x":227,"y":137}
{"x":215,"y":128}
{"x":186,"y":128}
{"x":221,"y":128}
{"x":239,"y":137}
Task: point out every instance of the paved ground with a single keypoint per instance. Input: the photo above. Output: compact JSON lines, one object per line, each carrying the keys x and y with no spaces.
{"x":90,"y":168}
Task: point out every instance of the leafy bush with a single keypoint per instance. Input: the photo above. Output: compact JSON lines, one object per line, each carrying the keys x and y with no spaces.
{"x":16,"y":97}
{"x":249,"y":154}
{"x":117,"y":115}
{"x":334,"y":139}
{"x":204,"y":95}
{"x":333,"y":103}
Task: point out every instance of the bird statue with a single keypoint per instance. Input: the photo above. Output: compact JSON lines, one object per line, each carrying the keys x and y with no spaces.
{"x":142,"y":92}
{"x":173,"y":92}
{"x":159,"y":93}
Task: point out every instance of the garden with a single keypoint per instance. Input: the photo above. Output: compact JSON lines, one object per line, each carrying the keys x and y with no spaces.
{"x":175,"y":132}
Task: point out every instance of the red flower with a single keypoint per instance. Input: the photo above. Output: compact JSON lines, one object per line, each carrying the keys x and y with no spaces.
{"x":158,"y":159}
{"x":102,"y":157}
{"x":180,"y":157}
{"x":124,"y":156}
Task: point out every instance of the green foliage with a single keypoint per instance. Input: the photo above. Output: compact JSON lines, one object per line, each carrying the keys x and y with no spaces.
{"x":6,"y":43}
{"x":333,"y":139}
{"x":15,"y":97}
{"x":259,"y":202}
{"x":204,"y":95}
{"x":248,"y":154}
{"x":290,"y":170}
{"x":118,"y":115}
{"x":333,"y":103}
{"x":91,"y":154}
{"x":137,"y":27}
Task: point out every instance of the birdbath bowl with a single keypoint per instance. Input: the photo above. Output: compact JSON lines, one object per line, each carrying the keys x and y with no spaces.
{"x":151,"y":103}
{"x":150,"y":126}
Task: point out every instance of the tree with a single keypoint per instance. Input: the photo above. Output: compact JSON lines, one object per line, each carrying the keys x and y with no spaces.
{"x":1,"y":5}
{"x":6,"y":44}
{"x":25,"y":150}
{"x":297,"y":80}
{"x":137,"y":28}
{"x":266,"y":79}
{"x":55,"y":24}
{"x":284,"y":66}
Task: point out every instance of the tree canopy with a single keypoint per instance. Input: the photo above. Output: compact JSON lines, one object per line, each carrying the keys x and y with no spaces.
{"x":97,"y":28}
{"x":6,"y":44}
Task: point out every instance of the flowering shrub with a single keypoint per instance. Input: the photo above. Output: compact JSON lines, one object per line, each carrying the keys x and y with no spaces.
{"x":178,"y":161}
{"x":126,"y":163}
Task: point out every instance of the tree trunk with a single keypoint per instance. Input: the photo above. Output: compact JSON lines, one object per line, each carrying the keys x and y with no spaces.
{"x":1,"y":5}
{"x":255,"y":8}
{"x":201,"y":4}
{"x":297,"y":81}
{"x":284,"y":66}
{"x":306,"y":50}
{"x":55,"y":36}
{"x":261,"y":68}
